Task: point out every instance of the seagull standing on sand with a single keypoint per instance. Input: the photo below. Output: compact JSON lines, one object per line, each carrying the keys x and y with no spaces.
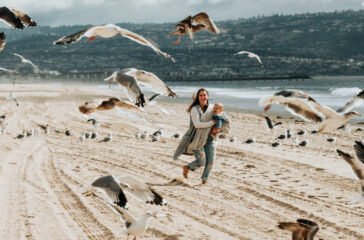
{"x":109,"y":31}
{"x":303,"y":229}
{"x":251,"y":55}
{"x":357,"y":164}
{"x":133,"y":226}
{"x":190,"y":25}
{"x":108,"y":138}
{"x":132,"y":78}
{"x":27,"y":61}
{"x":114,"y":188}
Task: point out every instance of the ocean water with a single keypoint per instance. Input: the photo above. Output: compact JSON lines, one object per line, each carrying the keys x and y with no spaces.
{"x":331,"y":91}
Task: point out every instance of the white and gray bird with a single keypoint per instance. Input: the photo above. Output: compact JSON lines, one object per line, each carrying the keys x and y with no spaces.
{"x":251,"y":55}
{"x":132,"y":79}
{"x":356,"y":163}
{"x":27,"y":61}
{"x":11,"y":97}
{"x":16,"y":18}
{"x":109,"y":31}
{"x":114,"y":188}
{"x":134,"y":227}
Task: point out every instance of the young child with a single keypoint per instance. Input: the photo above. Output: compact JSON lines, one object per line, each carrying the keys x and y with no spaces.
{"x":217,"y":117}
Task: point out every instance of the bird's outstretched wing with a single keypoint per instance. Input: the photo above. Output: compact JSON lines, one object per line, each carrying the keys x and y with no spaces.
{"x":151,"y":80}
{"x":359,"y":150}
{"x":24,"y":18}
{"x":355,"y":164}
{"x":141,"y":40}
{"x":141,"y":190}
{"x":203,"y":18}
{"x":72,"y":38}
{"x":353,"y":102}
{"x":7,"y":16}
{"x":112,"y":190}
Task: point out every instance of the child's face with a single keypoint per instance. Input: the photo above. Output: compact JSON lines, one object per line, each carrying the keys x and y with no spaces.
{"x":217,"y":109}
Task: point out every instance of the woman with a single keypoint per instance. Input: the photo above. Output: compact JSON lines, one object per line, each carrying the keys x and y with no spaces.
{"x":198,"y":139}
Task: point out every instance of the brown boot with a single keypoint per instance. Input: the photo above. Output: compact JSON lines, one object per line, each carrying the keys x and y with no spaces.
{"x":185,"y":171}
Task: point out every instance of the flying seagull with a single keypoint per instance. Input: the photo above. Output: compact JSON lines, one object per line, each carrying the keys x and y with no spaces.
{"x":106,"y":105}
{"x":251,"y":55}
{"x":16,"y":18}
{"x":190,"y":25}
{"x":133,"y":226}
{"x":114,"y":188}
{"x":287,"y":93}
{"x":109,"y":31}
{"x":27,"y":61}
{"x":132,"y":78}
{"x":353,"y":102}
{"x":303,"y":229}
{"x":357,"y":164}
{"x":296,"y":106}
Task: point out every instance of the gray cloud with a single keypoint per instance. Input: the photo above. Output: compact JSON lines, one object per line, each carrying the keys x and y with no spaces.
{"x":69,"y":12}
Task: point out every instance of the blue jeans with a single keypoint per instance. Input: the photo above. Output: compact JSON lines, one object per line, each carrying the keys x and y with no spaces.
{"x":205,"y":156}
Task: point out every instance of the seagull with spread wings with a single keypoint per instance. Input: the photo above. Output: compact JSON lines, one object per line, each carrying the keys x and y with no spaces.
{"x":109,"y":31}
{"x":251,"y":55}
{"x":132,"y":78}
{"x":356,"y":163}
{"x":114,"y":188}
{"x":111,"y":103}
{"x":190,"y":25}
{"x":27,"y":61}
{"x":9,"y":71}
{"x":16,"y":19}
{"x":303,"y":229}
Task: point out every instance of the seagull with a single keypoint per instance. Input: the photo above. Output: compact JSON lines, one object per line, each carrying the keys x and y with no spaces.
{"x":251,"y":55}
{"x":287,"y":93}
{"x":301,"y":132}
{"x":10,"y":71}
{"x":276,"y":144}
{"x":353,"y":102}
{"x":24,"y":60}
{"x":296,"y":106}
{"x":190,"y":25}
{"x":303,"y":143}
{"x":45,"y":128}
{"x":333,"y":139}
{"x":114,"y":188}
{"x":132,"y":78}
{"x":133,"y":226}
{"x":109,"y":31}
{"x":357,"y":164}
{"x":176,"y":135}
{"x":94,"y":135}
{"x":16,"y":18}
{"x":108,"y":138}
{"x":106,"y":105}
{"x":303,"y":229}
{"x":2,"y":41}
{"x":157,"y":133}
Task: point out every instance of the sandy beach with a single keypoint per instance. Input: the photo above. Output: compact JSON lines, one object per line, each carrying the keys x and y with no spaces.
{"x":252,"y":187}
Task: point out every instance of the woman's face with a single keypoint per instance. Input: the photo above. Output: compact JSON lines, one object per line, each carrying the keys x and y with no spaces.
{"x":203,"y":97}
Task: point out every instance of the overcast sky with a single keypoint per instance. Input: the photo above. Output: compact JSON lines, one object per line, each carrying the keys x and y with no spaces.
{"x":70,"y":12}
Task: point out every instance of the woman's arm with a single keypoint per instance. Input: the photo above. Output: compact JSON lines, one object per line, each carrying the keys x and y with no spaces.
{"x":196,"y":120}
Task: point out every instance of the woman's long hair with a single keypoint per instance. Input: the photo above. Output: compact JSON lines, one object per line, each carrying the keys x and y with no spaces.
{"x":196,"y":100}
